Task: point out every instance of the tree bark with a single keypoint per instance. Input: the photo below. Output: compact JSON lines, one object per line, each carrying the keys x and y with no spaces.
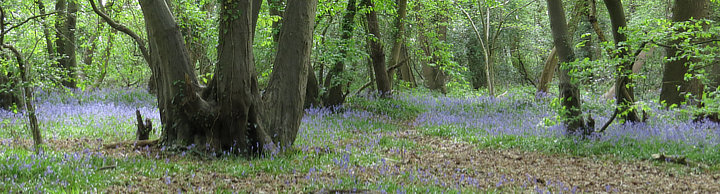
{"x":67,"y":21}
{"x":674,"y":85}
{"x":399,"y":36}
{"x":46,"y":30}
{"x":285,"y":94}
{"x":29,"y":107}
{"x":569,"y":92}
{"x":228,"y":115}
{"x":625,"y":96}
{"x":551,"y":62}
{"x":376,"y":50}
{"x":333,"y":80}
{"x":548,"y":72}
{"x":406,"y":73}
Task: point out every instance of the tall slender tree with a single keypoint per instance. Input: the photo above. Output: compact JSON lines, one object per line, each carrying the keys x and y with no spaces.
{"x":625,"y":95}
{"x":569,"y":92}
{"x":376,"y":50}
{"x":398,"y":37}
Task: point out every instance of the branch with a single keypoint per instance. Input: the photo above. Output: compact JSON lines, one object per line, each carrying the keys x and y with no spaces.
{"x":25,"y":21}
{"x":397,"y":65}
{"x":502,"y":22}
{"x":139,"y":41}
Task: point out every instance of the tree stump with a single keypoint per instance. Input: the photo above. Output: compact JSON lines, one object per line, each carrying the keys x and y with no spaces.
{"x":143,"y":129}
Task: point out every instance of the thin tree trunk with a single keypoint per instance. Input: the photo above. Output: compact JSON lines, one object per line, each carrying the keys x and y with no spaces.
{"x":46,"y":30}
{"x":333,"y":82}
{"x":25,"y":78}
{"x":675,"y":70}
{"x":376,"y":50}
{"x":399,"y":37}
{"x":548,"y":72}
{"x":625,"y":95}
{"x":637,"y":65}
{"x":105,"y":61}
{"x":551,"y":62}
{"x":569,"y":92}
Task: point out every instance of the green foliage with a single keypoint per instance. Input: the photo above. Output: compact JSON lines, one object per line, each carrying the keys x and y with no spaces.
{"x":394,"y":108}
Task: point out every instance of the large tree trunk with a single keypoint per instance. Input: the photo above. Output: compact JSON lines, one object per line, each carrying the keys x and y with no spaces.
{"x":285,"y":94}
{"x":569,"y":92}
{"x":67,"y":20}
{"x":376,"y":50}
{"x":333,"y":81}
{"x":674,"y":85}
{"x":227,"y":115}
{"x":625,"y":96}
{"x":399,"y":37}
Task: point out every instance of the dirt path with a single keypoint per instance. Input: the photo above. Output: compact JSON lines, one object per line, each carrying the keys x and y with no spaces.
{"x":489,"y":168}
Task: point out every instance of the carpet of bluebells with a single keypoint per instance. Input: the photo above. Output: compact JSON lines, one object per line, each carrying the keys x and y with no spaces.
{"x":411,"y":143}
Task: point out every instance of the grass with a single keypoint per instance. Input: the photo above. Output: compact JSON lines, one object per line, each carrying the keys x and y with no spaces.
{"x":355,"y":148}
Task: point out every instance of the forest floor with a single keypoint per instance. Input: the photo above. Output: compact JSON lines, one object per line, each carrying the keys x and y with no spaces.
{"x":368,"y":149}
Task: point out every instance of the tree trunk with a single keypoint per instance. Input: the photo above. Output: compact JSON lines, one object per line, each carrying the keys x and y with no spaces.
{"x":675,"y":70}
{"x":569,"y":92}
{"x":376,"y":50}
{"x":637,"y":65}
{"x":67,"y":20}
{"x":285,"y":94}
{"x":46,"y":30}
{"x":406,"y":73}
{"x":399,"y":37}
{"x":551,"y":61}
{"x":548,"y":72}
{"x":434,"y":76}
{"x":476,"y":63}
{"x":312,"y":93}
{"x":625,"y":96}
{"x":228,"y":114}
{"x":333,"y":81}
{"x":105,"y":60}
{"x":24,"y":77}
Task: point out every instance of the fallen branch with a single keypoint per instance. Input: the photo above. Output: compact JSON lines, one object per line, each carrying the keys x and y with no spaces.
{"x":133,"y":143}
{"x":107,"y":167}
{"x":677,"y":159}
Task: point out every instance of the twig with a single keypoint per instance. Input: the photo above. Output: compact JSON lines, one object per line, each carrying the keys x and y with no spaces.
{"x":25,"y":21}
{"x":139,"y":41}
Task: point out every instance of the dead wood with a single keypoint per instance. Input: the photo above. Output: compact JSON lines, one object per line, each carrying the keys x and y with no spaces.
{"x":132,"y":143}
